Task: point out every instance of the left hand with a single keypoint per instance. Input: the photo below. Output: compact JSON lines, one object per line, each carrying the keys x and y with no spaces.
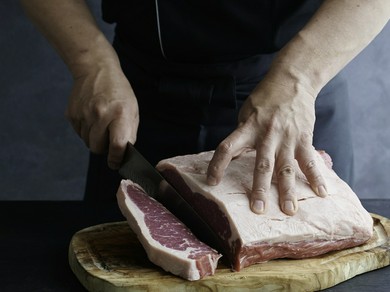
{"x":277,"y":120}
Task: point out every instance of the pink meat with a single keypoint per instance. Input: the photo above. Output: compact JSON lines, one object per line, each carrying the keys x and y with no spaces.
{"x":321,"y":225}
{"x":167,"y":241}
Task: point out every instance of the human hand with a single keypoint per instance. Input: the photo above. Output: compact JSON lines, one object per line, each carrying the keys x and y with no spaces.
{"x":277,"y":120}
{"x":103,"y":111}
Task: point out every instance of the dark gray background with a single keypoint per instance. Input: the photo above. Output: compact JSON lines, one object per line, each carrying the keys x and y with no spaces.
{"x":41,"y":158}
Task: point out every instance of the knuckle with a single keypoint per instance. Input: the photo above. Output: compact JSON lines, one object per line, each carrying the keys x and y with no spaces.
{"x":119,"y":109}
{"x":286,"y":171}
{"x":312,"y":173}
{"x":97,"y":109}
{"x":214,"y":170}
{"x":317,"y":180}
{"x":225,"y":147}
{"x":259,"y":192}
{"x":263,"y":166}
{"x":311,"y":166}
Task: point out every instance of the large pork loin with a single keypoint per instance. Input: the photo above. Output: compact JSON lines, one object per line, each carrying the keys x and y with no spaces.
{"x":167,"y":241}
{"x":321,"y":225}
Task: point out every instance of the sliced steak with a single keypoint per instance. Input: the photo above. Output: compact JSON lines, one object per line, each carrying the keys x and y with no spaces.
{"x":167,"y":242}
{"x":321,"y":225}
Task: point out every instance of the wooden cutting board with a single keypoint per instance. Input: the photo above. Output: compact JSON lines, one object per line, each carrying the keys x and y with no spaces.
{"x":109,"y":257}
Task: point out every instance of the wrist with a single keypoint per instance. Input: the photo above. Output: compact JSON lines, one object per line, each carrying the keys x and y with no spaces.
{"x":97,"y":55}
{"x":292,"y":78}
{"x":304,"y":63}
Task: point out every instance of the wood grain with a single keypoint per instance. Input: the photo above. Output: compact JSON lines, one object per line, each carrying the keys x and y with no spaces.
{"x":109,"y":257}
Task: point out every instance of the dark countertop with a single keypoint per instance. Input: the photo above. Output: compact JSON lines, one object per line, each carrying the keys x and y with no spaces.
{"x":34,"y":239}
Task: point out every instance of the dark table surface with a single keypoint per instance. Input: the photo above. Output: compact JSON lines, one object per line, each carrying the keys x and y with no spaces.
{"x":34,"y":240}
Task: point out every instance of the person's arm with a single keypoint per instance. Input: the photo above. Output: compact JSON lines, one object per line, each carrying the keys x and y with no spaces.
{"x":102,"y":107}
{"x":278,"y":117}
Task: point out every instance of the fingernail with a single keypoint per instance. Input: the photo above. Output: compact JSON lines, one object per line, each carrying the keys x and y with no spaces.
{"x":289,"y":206}
{"x":321,"y":191}
{"x":258,"y":206}
{"x":212,"y":181}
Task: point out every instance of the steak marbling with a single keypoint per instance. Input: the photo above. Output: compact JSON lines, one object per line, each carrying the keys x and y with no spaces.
{"x":167,"y":241}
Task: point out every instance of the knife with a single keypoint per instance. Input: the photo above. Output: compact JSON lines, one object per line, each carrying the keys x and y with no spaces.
{"x":136,"y":168}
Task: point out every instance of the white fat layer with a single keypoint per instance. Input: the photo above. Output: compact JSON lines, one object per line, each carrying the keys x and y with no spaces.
{"x":338,"y":216}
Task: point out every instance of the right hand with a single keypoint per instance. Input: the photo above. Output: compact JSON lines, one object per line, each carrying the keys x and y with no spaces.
{"x":103,"y":111}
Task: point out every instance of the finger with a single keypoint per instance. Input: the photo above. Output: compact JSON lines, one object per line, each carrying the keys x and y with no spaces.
{"x":98,"y":138}
{"x":262,"y":176}
{"x":306,"y":157}
{"x":229,"y":148}
{"x":98,"y":116}
{"x":99,"y":134}
{"x":120,"y":132}
{"x":285,"y":172}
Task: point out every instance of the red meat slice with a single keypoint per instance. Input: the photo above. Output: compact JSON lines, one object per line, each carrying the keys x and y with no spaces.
{"x":167,"y":241}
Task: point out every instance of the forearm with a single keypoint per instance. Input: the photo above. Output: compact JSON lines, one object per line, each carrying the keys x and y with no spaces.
{"x":102,"y":107}
{"x":334,"y":36}
{"x":73,"y":32}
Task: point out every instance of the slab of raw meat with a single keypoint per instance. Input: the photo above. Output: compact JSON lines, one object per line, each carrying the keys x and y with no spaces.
{"x":167,"y":241}
{"x":321,"y":225}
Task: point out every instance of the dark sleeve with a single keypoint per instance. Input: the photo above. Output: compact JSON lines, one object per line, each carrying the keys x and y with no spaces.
{"x":112,"y":10}
{"x":293,"y":19}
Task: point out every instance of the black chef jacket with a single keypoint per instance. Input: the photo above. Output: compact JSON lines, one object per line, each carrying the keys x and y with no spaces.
{"x":192,"y":64}
{"x":207,"y":30}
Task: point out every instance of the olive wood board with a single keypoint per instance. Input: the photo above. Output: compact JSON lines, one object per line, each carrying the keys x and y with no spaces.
{"x":109,"y":257}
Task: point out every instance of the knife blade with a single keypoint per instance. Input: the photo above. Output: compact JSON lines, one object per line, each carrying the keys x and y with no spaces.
{"x":136,"y":168}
